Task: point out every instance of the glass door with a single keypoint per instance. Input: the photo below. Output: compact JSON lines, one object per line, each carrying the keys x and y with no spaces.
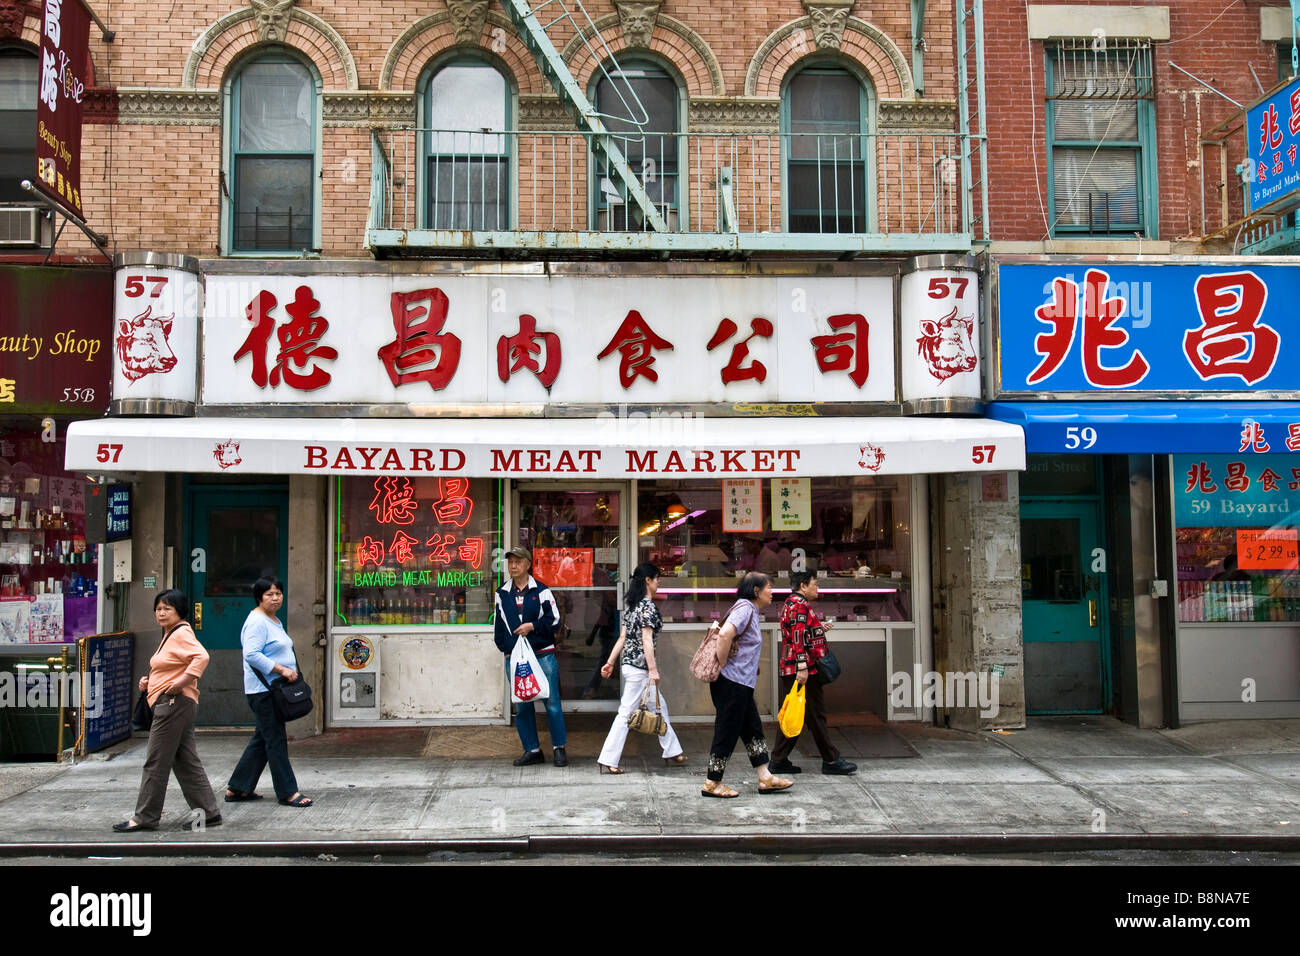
{"x":576,"y":535}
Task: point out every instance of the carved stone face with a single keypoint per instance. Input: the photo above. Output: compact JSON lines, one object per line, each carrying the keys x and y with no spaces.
{"x":272,"y":16}
{"x":467,"y":18}
{"x":11,"y":19}
{"x":638,"y":21}
{"x":828,"y":26}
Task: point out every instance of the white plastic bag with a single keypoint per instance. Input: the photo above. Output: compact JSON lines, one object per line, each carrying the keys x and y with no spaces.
{"x":527,"y":682}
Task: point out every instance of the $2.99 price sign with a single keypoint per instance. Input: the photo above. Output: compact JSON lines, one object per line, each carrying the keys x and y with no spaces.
{"x":1272,"y":550}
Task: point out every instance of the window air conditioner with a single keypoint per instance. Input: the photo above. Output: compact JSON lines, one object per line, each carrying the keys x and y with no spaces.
{"x":20,"y":226}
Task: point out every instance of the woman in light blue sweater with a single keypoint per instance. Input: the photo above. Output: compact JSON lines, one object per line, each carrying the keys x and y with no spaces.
{"x":268,"y":654}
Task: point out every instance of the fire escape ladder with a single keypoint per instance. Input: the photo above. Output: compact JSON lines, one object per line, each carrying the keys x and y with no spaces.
{"x":971,"y":116}
{"x":589,"y":121}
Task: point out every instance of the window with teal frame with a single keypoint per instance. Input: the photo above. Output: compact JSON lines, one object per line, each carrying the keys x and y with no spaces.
{"x":651,"y":150}
{"x":823,"y":111}
{"x":1100,"y":136}
{"x":467,"y":180}
{"x":273,"y":156}
{"x":17,"y":122}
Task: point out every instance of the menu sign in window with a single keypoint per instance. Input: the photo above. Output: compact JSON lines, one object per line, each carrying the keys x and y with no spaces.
{"x":1272,"y":550}
{"x":742,"y":505}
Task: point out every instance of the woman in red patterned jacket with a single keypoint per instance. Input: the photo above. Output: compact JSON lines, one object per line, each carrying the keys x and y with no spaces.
{"x":803,"y":644}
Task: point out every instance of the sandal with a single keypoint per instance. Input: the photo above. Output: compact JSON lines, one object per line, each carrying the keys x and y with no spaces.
{"x":613,"y":770}
{"x":240,"y":796}
{"x":130,"y":826}
{"x":719,"y":791}
{"x":775,"y":785}
{"x":298,"y":800}
{"x":680,"y":758}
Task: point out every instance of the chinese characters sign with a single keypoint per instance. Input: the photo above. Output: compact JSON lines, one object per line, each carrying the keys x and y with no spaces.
{"x":528,"y":340}
{"x":791,"y":504}
{"x":742,"y":505}
{"x":1271,"y":550}
{"x":1272,"y":135}
{"x":1236,"y":491}
{"x":61,"y":82}
{"x":1105,"y":328}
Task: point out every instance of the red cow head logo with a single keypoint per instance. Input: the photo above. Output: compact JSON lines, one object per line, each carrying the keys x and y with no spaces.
{"x":142,"y":345}
{"x":871,"y":457}
{"x":227,"y":454}
{"x":947,"y":345}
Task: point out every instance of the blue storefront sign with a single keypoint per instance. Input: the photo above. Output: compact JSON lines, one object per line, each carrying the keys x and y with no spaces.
{"x":119,"y":513}
{"x":1121,"y":330}
{"x":1236,"y":491}
{"x":1273,"y":135}
{"x":109,"y":689}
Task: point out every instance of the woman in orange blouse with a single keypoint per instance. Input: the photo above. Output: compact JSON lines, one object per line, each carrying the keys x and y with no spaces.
{"x":173,"y":691}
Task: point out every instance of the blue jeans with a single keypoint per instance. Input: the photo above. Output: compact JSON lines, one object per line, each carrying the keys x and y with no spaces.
{"x":270,"y":745}
{"x":526,"y":714}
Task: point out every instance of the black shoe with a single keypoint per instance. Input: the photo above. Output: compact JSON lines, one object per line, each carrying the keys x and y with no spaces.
{"x":840,"y":767}
{"x":209,"y":822}
{"x":784,"y":766}
{"x":561,"y":758}
{"x":530,"y":758}
{"x":126,"y":826}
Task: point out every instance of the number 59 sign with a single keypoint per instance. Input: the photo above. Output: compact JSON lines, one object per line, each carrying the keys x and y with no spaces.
{"x":156,"y":306}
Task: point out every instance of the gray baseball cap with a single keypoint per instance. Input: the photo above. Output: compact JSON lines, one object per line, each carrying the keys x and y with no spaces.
{"x":519,"y":551}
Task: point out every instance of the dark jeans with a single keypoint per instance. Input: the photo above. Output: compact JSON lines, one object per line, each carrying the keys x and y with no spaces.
{"x":737,"y":720}
{"x":814,"y":719}
{"x":270,"y":745}
{"x":171,"y":749}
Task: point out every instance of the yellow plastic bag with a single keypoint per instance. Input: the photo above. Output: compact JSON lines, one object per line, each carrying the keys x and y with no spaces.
{"x":790,"y":718}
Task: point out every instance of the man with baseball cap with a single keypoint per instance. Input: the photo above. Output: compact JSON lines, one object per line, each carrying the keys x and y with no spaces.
{"x":525,"y":608}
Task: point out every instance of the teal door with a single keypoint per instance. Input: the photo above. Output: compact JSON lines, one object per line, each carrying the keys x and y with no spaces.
{"x":234,"y":535}
{"x":1063,"y":588}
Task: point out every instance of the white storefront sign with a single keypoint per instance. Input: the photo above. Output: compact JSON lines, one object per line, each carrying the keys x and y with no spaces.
{"x":155,"y":335}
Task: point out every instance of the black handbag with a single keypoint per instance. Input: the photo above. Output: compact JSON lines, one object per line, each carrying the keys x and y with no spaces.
{"x":142,"y":713}
{"x":828,"y":668}
{"x":291,"y":701}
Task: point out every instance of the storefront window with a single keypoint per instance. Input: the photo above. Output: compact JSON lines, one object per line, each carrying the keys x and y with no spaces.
{"x":416,"y":551}
{"x":47,"y":571}
{"x":854,"y":532}
{"x":1236,"y":531}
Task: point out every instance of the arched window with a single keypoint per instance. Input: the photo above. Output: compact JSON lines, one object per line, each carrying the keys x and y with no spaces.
{"x":652,"y":151}
{"x":467,"y":181}
{"x":17,"y":122}
{"x":273,"y":131}
{"x":824,"y":112}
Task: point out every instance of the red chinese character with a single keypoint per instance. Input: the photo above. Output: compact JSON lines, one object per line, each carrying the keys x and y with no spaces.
{"x":1277,"y":163}
{"x":1270,"y":134}
{"x":453,"y":505}
{"x":1199,"y":476}
{"x":846,"y":352}
{"x":1237,"y":479}
{"x":472,"y":551}
{"x":299,"y":341}
{"x":1290,"y":153}
{"x":1099,"y":314}
{"x":1230,"y":339}
{"x":422,"y":352}
{"x":1294,"y":122}
{"x":1061,"y":315}
{"x":1294,"y":483}
{"x":1268,"y":479}
{"x":1293,"y":437}
{"x":370,"y":550}
{"x":519,"y":349}
{"x":394,"y":501}
{"x":440,"y":543}
{"x":634,"y":341}
{"x":401,"y":547}
{"x":1262,"y":172}
{"x":1252,"y":436}
{"x":734,"y":372}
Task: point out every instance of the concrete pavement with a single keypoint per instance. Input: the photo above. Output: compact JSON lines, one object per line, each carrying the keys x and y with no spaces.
{"x":1062,"y":783}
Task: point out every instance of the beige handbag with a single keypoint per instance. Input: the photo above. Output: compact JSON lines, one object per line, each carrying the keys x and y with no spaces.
{"x":643,"y":721}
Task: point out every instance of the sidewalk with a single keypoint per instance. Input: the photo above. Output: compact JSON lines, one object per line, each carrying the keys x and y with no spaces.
{"x":1066,"y":783}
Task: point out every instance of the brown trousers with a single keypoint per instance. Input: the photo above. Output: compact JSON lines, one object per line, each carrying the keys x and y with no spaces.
{"x":814,"y":719}
{"x":171,"y":748}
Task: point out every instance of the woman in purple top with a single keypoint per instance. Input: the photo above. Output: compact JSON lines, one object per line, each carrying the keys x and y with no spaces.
{"x":740,"y":643}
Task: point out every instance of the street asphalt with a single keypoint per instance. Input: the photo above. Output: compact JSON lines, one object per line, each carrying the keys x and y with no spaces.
{"x":1062,"y":784}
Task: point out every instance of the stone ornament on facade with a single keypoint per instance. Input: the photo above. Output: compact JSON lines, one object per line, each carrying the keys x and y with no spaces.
{"x":12,"y":13}
{"x":467,"y":19}
{"x":155,"y":107}
{"x":828,"y":19}
{"x":368,"y":108}
{"x":735,"y":115}
{"x":213,"y":42}
{"x":916,"y":116}
{"x":765,"y":68}
{"x":637,"y":19}
{"x":668,"y":28}
{"x":272,"y":18}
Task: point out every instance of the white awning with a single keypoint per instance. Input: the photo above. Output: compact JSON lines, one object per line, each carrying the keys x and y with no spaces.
{"x":602,"y":447}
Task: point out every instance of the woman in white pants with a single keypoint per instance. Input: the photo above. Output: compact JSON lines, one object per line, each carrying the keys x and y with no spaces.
{"x":636,"y":649}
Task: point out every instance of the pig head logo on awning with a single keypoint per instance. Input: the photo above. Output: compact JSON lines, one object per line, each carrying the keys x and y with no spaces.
{"x":142,"y":345}
{"x":871,"y":457}
{"x":948,"y":346}
{"x":227,"y":454}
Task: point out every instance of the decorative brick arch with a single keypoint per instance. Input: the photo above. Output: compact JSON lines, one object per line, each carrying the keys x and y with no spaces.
{"x":863,"y":44}
{"x":672,"y":40}
{"x":236,"y":33}
{"x":429,"y":38}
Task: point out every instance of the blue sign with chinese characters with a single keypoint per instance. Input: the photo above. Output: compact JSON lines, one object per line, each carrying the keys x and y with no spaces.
{"x":119,"y":513}
{"x":1075,"y":327}
{"x":1236,"y":491}
{"x":1273,"y":136}
{"x":109,"y":689}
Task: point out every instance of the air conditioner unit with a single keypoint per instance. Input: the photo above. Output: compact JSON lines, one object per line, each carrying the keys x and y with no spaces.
{"x":20,"y":226}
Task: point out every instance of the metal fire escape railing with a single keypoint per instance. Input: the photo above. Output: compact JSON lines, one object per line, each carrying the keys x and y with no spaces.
{"x":974,"y":138}
{"x":589,"y":121}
